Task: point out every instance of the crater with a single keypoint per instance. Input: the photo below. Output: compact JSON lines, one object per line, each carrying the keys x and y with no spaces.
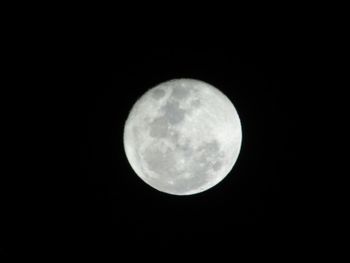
{"x":196,"y":103}
{"x":217,"y":166}
{"x":173,"y":113}
{"x":161,"y":163}
{"x":159,"y":127}
{"x":158,"y":93}
{"x":189,"y":181}
{"x":209,"y":148}
{"x":196,"y":174}
{"x":185,"y":149}
{"x":180,"y":92}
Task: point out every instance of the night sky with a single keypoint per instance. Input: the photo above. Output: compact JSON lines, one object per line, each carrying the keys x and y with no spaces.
{"x":90,"y":71}
{"x":118,"y":204}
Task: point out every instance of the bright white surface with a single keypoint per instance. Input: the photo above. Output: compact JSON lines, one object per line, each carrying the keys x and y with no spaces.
{"x":183,"y":136}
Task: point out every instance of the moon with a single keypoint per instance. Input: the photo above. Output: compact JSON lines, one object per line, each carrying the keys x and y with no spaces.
{"x":182,"y":137}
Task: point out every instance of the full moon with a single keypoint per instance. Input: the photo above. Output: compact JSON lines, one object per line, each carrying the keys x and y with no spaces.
{"x":182,"y":137}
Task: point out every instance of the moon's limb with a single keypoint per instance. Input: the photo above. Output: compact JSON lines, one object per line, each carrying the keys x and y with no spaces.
{"x":182,"y":137}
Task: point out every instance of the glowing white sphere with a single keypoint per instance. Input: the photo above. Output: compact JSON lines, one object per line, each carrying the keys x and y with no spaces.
{"x":182,"y":137}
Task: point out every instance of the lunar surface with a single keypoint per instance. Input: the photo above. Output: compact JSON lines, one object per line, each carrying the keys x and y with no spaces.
{"x":182,"y":137}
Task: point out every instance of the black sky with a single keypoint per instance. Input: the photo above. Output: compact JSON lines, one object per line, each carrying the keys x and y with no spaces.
{"x":92,"y":69}
{"x":255,"y":193}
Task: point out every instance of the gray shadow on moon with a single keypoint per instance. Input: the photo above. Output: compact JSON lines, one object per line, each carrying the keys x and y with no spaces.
{"x":159,"y":127}
{"x":173,"y":113}
{"x":179,"y":92}
{"x":198,"y":172}
{"x":158,"y":93}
